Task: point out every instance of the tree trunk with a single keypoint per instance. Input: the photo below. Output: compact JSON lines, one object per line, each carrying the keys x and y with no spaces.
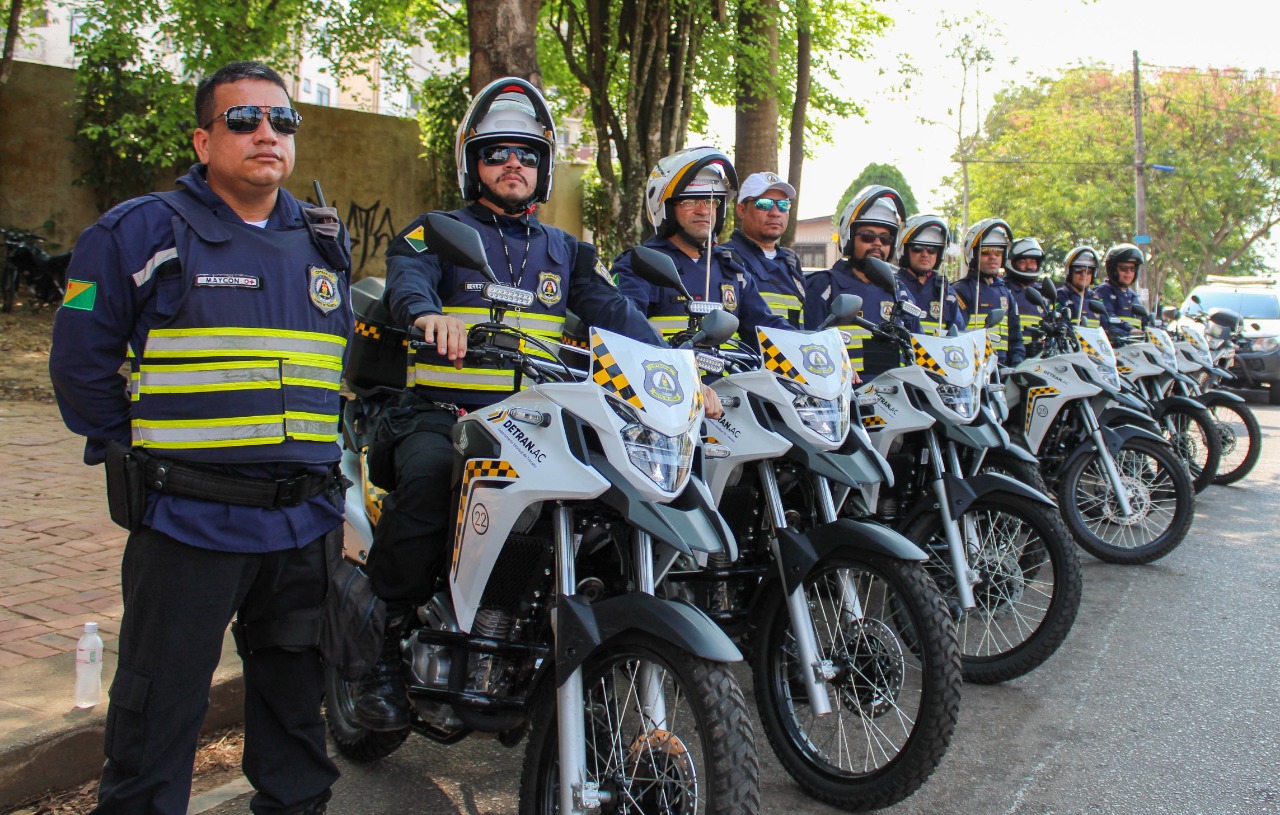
{"x":795,"y":159}
{"x":504,"y":41}
{"x":756,"y":116}
{"x":10,"y":42}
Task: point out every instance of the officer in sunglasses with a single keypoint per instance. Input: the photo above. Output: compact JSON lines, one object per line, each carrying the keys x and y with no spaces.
{"x":764,"y":208}
{"x":983,"y":289}
{"x":228,"y":298}
{"x":869,"y":226}
{"x":505,"y":151}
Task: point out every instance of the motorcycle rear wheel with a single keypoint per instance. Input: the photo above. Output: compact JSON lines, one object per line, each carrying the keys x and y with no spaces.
{"x":1195,"y":437}
{"x":1241,"y":441}
{"x":896,"y":694}
{"x":702,"y":762}
{"x":1165,"y":503}
{"x":352,"y":739}
{"x":1030,"y":586}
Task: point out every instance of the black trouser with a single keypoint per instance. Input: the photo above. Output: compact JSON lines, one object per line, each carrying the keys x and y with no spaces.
{"x":178,"y":600}
{"x":411,"y":539}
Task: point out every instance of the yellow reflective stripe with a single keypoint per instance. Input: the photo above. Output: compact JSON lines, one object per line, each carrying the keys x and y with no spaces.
{"x":1132,"y":320}
{"x":296,"y":345}
{"x":1001,"y":343}
{"x":523,"y":320}
{"x":782,"y":304}
{"x":437,"y":376}
{"x":327,"y":375}
{"x":311,"y":426}
{"x":240,"y":331}
{"x":215,"y":376}
{"x":227,"y":432}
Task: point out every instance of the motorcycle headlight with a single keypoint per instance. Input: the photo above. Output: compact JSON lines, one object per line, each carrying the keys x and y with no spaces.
{"x":829,"y":418}
{"x":1265,"y":345}
{"x":961,"y":399}
{"x":1107,"y":373}
{"x":666,"y":460}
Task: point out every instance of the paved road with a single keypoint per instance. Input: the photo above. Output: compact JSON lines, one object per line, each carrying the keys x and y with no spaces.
{"x":1164,"y":699}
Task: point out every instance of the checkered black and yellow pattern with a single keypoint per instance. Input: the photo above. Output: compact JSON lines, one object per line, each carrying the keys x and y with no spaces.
{"x":373,"y":332}
{"x":607,"y":373}
{"x":478,"y":469}
{"x":873,"y":421}
{"x":1034,"y":395}
{"x":774,"y":360}
{"x":925,"y":360}
{"x":373,"y":495}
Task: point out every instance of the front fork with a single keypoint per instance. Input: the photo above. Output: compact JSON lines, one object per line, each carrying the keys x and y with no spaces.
{"x":1108,"y":463}
{"x":965,"y":576}
{"x":818,"y":671}
{"x":578,"y":794}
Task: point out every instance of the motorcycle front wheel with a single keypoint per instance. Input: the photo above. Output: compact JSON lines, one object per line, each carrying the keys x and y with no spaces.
{"x":1194,"y":436}
{"x":895,"y":693}
{"x":1028,"y":589}
{"x":1241,"y":439}
{"x":1161,"y":497}
{"x":352,"y":739}
{"x":700,"y":758}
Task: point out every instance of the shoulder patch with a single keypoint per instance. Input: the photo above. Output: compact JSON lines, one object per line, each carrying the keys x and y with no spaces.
{"x":417,"y":239}
{"x":81,"y":294}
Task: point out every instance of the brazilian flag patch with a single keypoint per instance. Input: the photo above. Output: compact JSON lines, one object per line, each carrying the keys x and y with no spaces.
{"x":417,"y":239}
{"x":80,"y":294}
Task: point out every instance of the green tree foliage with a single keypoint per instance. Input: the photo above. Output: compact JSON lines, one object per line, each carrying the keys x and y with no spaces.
{"x":885,"y":174}
{"x":1055,"y":159}
{"x":445,"y":99}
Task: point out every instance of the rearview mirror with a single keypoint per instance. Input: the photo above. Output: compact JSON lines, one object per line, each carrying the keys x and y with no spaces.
{"x":715,"y":329}
{"x":843,"y":309}
{"x":880,"y":274}
{"x":657,"y":269}
{"x":1035,"y":298}
{"x":994,"y":318}
{"x":1096,"y":306}
{"x":456,"y":243}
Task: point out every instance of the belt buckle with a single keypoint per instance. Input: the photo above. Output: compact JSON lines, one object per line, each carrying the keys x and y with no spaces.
{"x":292,"y":491}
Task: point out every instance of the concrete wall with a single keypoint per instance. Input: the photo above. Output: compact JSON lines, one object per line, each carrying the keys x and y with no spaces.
{"x":367,"y":164}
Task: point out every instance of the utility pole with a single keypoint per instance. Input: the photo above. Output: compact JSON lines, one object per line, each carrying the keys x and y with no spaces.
{"x":1140,"y":185}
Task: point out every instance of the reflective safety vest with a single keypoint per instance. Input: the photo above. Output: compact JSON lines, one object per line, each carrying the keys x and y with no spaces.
{"x":248,"y":367}
{"x":877,"y":305}
{"x":546,"y":272}
{"x":991,"y":296}
{"x":1028,"y":315}
{"x":780,"y":280}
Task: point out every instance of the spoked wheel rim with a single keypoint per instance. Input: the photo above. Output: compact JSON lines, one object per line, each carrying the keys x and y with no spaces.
{"x":877,"y":680}
{"x":1016,"y":583}
{"x":1153,"y":499}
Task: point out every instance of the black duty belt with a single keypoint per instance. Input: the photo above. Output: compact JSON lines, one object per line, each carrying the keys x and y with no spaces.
{"x":174,"y":478}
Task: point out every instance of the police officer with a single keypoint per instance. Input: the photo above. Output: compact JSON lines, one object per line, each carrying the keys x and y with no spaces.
{"x":1082,"y":268}
{"x":922,"y":244}
{"x":1022,"y":271}
{"x":686,"y":198}
{"x":983,"y":290}
{"x":1122,"y":262}
{"x":505,"y":152}
{"x":764,"y":208}
{"x":869,"y":226}
{"x":229,"y":298}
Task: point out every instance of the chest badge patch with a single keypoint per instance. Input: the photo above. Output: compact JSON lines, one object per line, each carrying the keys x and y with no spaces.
{"x":322,"y":285}
{"x":1004,"y":303}
{"x":955,"y":357}
{"x":729,"y":296}
{"x":935,"y":309}
{"x":816,"y":360}
{"x":662,"y":382}
{"x":886,"y":309}
{"x":549,"y":289}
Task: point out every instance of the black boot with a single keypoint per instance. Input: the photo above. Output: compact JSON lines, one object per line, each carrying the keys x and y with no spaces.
{"x":382,"y":702}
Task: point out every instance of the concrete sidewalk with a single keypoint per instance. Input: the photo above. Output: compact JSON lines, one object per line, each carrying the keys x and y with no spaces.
{"x":59,"y":568}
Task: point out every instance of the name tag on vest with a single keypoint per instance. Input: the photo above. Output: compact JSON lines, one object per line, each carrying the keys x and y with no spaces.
{"x":234,"y":280}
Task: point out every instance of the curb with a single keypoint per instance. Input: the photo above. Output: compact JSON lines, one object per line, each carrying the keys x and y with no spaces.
{"x":54,"y":750}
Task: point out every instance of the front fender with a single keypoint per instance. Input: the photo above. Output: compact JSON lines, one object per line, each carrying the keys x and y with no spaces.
{"x":1114,"y":437}
{"x":962,"y":493}
{"x":582,"y":627}
{"x":1160,"y":408}
{"x":1120,"y":416}
{"x":801,"y":552}
{"x":1212,"y":398}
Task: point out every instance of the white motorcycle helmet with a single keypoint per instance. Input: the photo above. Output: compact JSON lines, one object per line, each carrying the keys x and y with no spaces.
{"x":695,"y":172}
{"x":1118,"y":254}
{"x":923,"y":230}
{"x":985,"y":233}
{"x":1082,"y":256}
{"x":874,"y":204}
{"x":506,"y":110}
{"x":1024,"y":248}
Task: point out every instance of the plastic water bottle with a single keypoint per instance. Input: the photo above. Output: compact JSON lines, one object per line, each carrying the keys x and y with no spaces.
{"x":89,"y":667}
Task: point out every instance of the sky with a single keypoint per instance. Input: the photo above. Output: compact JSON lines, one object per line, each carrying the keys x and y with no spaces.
{"x":1041,"y":37}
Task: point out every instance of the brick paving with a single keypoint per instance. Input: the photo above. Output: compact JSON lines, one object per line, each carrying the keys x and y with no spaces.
{"x":59,"y":550}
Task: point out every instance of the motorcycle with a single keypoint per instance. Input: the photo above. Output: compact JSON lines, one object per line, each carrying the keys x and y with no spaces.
{"x":1123,"y":492}
{"x":28,"y":264}
{"x":998,"y":549}
{"x":573,"y":498}
{"x":854,"y":658}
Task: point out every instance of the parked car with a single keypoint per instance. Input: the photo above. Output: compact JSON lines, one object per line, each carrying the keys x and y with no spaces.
{"x":1257,"y":299}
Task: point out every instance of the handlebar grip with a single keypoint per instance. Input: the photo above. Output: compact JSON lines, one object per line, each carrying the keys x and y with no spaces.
{"x":731,"y":401}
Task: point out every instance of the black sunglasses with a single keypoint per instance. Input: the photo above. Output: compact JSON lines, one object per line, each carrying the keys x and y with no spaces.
{"x":873,"y":237}
{"x":247,"y":118}
{"x":499,"y":153}
{"x":766,"y":204}
{"x":927,"y":250}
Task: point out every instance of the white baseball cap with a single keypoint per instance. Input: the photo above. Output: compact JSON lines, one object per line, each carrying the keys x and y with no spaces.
{"x":757,"y":184}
